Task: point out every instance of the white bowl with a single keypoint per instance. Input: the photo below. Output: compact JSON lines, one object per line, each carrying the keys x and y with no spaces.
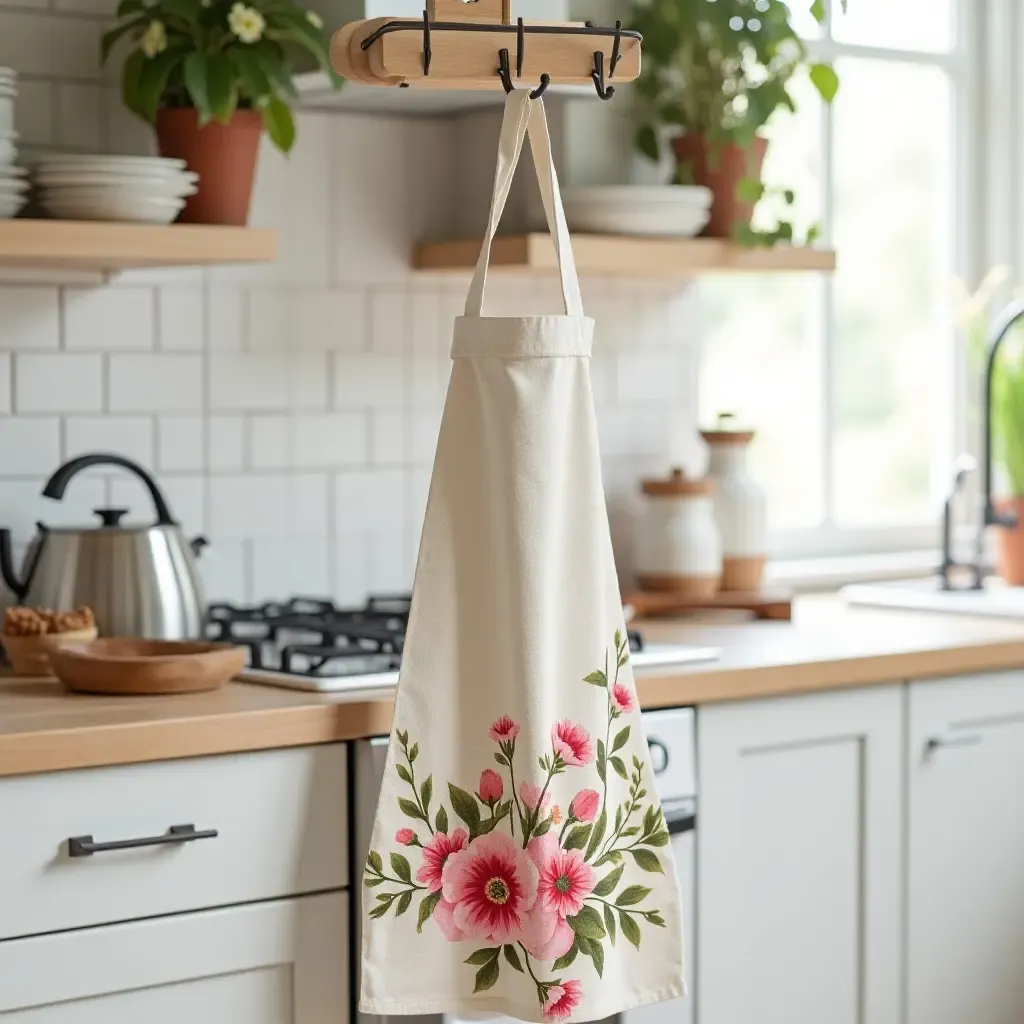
{"x":14,"y":186}
{"x":10,"y":206}
{"x":6,"y":112}
{"x":671,"y":221}
{"x":641,"y":196}
{"x":110,"y":193}
{"x":133,"y":166}
{"x":9,"y":171}
{"x":8,"y":148}
{"x":140,"y":211}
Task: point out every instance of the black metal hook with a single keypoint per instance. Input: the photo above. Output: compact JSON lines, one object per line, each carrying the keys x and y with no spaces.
{"x":605,"y":92}
{"x":428,"y":54}
{"x":505,"y":74}
{"x":616,"y":50}
{"x":521,"y":49}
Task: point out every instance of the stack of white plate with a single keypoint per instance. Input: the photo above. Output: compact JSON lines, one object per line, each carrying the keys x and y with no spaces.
{"x":142,"y":189}
{"x":13,"y":185}
{"x":679,"y":211}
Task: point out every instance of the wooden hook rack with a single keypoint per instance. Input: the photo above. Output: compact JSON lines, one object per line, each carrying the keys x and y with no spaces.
{"x":473,"y":44}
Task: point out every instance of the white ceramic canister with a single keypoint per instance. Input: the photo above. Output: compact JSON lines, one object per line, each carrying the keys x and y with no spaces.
{"x":677,"y":543}
{"x":741,"y":508}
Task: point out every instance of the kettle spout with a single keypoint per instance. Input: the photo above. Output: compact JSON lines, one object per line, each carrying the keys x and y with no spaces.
{"x":7,"y":570}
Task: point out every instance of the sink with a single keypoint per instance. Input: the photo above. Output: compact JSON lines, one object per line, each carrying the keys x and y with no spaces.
{"x":996,"y":601}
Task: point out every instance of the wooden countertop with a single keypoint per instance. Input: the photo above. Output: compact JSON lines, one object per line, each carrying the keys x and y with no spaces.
{"x":827,"y":646}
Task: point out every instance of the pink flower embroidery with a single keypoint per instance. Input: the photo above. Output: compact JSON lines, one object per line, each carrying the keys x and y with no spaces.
{"x":491,"y":886}
{"x":444,"y":915}
{"x":563,"y":1000}
{"x":585,"y":805}
{"x":546,"y":936}
{"x":405,"y":836}
{"x":564,"y":879}
{"x":504,"y":729}
{"x":436,"y":854}
{"x":491,"y":786}
{"x":530,"y":795}
{"x":572,"y":743}
{"x":623,"y":698}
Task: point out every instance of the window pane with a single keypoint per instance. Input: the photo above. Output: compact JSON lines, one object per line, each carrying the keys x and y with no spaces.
{"x":803,"y":22}
{"x":903,"y":24}
{"x":893,"y":229}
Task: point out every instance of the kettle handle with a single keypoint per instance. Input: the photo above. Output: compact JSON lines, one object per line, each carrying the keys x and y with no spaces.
{"x":58,"y":483}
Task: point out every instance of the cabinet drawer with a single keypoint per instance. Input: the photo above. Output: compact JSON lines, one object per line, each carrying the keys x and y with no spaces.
{"x":280,"y":819}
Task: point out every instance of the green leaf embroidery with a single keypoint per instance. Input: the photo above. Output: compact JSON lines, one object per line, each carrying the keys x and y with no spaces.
{"x":655,"y":918}
{"x":465,"y":806}
{"x":400,"y":866}
{"x":650,"y":820}
{"x":426,"y":909}
{"x":618,"y":640}
{"x":403,"y":773}
{"x":597,"y":678}
{"x":627,"y":833}
{"x":404,"y":902}
{"x":543,"y":828}
{"x":483,"y":956}
{"x":414,"y":752}
{"x":487,"y":976}
{"x":597,"y":835}
{"x":370,"y":882}
{"x":577,"y":838}
{"x":374,"y":860}
{"x":408,"y":807}
{"x":513,"y":958}
{"x":426,"y":792}
{"x":620,"y":768}
{"x":609,"y":923}
{"x":587,"y":923}
{"x":441,"y":820}
{"x":658,"y":839}
{"x":601,"y":752}
{"x":566,"y":961}
{"x":647,"y":861}
{"x":607,"y":884}
{"x":630,"y":929}
{"x":593,"y":949}
{"x":501,"y":759}
{"x":631,"y":896}
{"x":621,"y":740}
{"x":380,"y":911}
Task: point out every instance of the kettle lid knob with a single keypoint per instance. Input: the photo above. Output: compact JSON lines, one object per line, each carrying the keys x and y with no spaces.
{"x":111,"y":516}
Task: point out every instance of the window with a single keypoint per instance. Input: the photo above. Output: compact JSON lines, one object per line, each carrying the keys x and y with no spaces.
{"x":848,"y":380}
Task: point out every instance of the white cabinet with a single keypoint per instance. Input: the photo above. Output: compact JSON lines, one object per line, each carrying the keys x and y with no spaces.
{"x":965,"y":933}
{"x":272,"y":963}
{"x":799,"y":860}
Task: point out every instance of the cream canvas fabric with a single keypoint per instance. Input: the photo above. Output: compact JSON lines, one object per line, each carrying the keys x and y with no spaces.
{"x":520,"y":863}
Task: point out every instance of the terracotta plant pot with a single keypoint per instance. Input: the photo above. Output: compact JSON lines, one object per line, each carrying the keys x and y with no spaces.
{"x":1010,"y":543}
{"x":721,"y":168}
{"x":224,"y":157}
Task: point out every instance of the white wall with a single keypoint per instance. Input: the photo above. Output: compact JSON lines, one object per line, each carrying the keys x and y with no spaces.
{"x":290,"y":410}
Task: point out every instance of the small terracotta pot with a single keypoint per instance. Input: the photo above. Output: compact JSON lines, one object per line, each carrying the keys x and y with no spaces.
{"x":721,"y":168}
{"x":224,"y":157}
{"x":1010,"y":543}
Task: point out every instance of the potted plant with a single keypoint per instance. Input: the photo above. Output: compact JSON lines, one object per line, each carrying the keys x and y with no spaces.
{"x":714,"y":72}
{"x":1007,"y":413}
{"x":212,"y":75}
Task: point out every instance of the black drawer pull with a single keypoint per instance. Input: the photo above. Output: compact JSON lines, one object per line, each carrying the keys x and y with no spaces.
{"x":85,"y":846}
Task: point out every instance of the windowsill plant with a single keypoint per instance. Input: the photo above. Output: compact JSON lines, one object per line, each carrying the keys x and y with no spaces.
{"x":212,"y":76}
{"x":715,"y":71}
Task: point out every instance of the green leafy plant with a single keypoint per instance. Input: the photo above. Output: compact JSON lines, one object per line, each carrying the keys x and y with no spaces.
{"x":973,"y":315}
{"x":217,"y":56}
{"x":721,"y":69}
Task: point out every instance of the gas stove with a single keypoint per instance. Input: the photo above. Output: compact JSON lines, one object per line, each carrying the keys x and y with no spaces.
{"x":311,"y":644}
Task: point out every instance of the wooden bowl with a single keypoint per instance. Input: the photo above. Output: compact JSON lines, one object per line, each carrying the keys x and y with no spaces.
{"x":30,"y":655}
{"x":146,"y":666}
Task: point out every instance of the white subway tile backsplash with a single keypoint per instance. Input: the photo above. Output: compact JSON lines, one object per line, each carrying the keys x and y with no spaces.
{"x":130,"y":436}
{"x":181,"y":444}
{"x":311,"y":496}
{"x":226,"y":443}
{"x":282,"y":568}
{"x":310,"y":383}
{"x":185,"y":497}
{"x":250,"y":506}
{"x":80,"y":111}
{"x":389,"y":320}
{"x":352,"y":576}
{"x":101,"y":319}
{"x":388,"y":438}
{"x":226,"y":318}
{"x":329,"y":440}
{"x":249,"y":381}
{"x":425,"y":429}
{"x":224,"y":567}
{"x":180,"y":319}
{"x":270,"y":319}
{"x":37,"y":44}
{"x":22,"y":505}
{"x":29,"y":318}
{"x":60,"y":383}
{"x":335,"y":320}
{"x":6,"y":382}
{"x":270,"y":442}
{"x":370,"y":502}
{"x":369,"y":381}
{"x":649,"y":377}
{"x":34,"y":109}
{"x":167,"y":382}
{"x":29,"y":446}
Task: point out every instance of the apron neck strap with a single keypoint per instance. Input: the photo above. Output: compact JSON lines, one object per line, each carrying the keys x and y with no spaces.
{"x":523,"y":116}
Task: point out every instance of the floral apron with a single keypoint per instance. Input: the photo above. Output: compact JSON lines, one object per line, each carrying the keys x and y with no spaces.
{"x":520,"y":863}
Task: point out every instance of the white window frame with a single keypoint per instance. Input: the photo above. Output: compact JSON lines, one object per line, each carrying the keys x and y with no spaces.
{"x":981,"y":25}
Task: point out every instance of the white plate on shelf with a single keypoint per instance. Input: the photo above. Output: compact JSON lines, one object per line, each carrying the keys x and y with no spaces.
{"x":68,"y":178}
{"x":678,"y":211}
{"x":137,"y":211}
{"x":10,"y":205}
{"x":103,"y":193}
{"x":146,"y":166}
{"x":13,"y":186}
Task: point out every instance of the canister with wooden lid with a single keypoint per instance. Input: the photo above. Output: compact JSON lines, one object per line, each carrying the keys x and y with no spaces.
{"x":677,"y":545}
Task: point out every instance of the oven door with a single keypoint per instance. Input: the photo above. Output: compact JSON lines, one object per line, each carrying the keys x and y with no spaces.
{"x":681,"y":819}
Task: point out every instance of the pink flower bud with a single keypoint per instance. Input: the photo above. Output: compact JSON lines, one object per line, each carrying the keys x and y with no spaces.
{"x":585,"y":805}
{"x":491,"y":786}
{"x":405,"y":836}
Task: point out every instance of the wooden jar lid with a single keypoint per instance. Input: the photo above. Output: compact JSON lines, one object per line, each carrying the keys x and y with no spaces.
{"x":723,"y":435}
{"x":678,"y":484}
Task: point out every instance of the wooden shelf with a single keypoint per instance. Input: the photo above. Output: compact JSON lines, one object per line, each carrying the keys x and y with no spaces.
{"x":619,"y":256}
{"x":105,"y":246}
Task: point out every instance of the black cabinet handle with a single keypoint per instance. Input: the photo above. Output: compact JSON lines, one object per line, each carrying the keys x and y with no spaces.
{"x":85,"y":846}
{"x":680,"y":826}
{"x":935,"y":744}
{"x":658,"y":749}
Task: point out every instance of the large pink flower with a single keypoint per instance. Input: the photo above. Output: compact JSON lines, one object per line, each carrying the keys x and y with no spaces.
{"x":491,"y":885}
{"x":504,"y":729}
{"x":436,"y":853}
{"x":563,"y":1000}
{"x":546,"y":936}
{"x":585,"y":805}
{"x":530,"y":795}
{"x":623,"y":699}
{"x":564,"y":879}
{"x":572,"y":743}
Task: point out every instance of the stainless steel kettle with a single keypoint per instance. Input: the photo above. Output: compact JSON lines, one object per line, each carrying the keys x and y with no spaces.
{"x":139,"y":581}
